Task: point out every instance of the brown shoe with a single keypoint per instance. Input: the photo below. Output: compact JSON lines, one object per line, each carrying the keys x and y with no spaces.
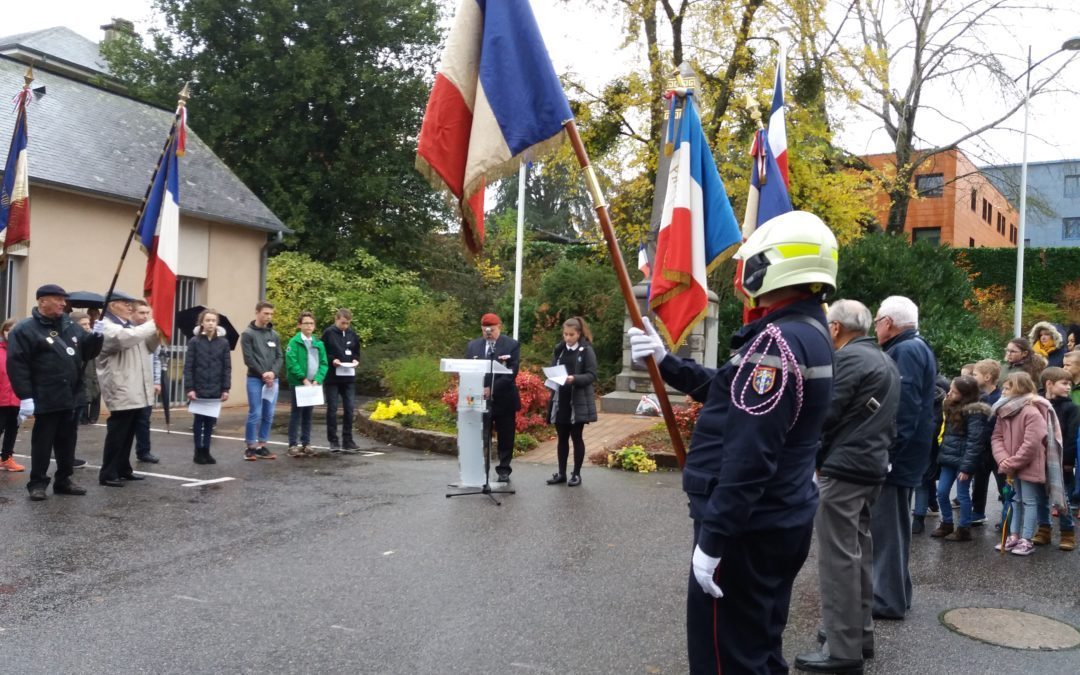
{"x":961,"y":534}
{"x":942,"y":530}
{"x":1068,"y":540}
{"x":1042,"y":536}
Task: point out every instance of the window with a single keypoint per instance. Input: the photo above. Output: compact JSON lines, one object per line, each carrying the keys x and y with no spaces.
{"x":1072,"y":185}
{"x":931,"y":235}
{"x":1001,"y":223}
{"x":987,"y":211}
{"x":930,"y":185}
{"x":974,"y":198}
{"x":1070,"y":228}
{"x":971,"y":242}
{"x":1012,"y":234}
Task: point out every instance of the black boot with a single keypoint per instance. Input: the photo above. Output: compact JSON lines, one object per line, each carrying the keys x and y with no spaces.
{"x":918,"y":524}
{"x":207,"y":457}
{"x":556,"y":478}
{"x":199,"y":457}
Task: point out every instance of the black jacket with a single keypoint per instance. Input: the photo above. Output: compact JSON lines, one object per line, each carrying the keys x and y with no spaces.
{"x":208,"y":366}
{"x":915,"y":424}
{"x":343,"y":346}
{"x":962,"y":446}
{"x":581,"y":363}
{"x":1069,"y":417}
{"x":504,"y":395}
{"x":861,"y":422}
{"x":45,"y":360}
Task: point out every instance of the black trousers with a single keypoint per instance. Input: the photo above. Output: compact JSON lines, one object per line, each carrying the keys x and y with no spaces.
{"x":53,"y":431}
{"x":503,"y":424}
{"x":9,"y":425}
{"x":119,"y":435}
{"x":345,"y":392}
{"x":981,"y":482}
{"x":142,"y":431}
{"x":742,"y":631}
{"x":566,"y":433}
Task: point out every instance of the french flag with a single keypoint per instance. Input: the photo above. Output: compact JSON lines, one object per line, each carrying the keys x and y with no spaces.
{"x":698,"y":230}
{"x":777,"y":127}
{"x":15,"y":194}
{"x":643,"y":261}
{"x":496,"y":98}
{"x":159,"y":235}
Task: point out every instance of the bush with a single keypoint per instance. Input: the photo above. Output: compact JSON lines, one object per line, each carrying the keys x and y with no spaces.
{"x":415,"y":377}
{"x":632,"y":458}
{"x":523,"y":443}
{"x":534,"y":400}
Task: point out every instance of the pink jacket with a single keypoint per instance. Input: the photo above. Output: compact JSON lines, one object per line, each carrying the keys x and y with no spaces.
{"x":1019,"y":442}
{"x":7,"y":395}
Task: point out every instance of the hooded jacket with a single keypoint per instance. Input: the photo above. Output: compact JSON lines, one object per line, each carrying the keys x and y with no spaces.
{"x":1056,"y":355}
{"x":962,"y":445}
{"x":262,"y":350}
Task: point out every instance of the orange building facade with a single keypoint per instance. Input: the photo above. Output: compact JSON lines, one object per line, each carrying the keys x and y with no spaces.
{"x":957,"y":205}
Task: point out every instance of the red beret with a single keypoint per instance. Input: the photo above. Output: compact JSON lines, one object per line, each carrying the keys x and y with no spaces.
{"x":490,"y":319}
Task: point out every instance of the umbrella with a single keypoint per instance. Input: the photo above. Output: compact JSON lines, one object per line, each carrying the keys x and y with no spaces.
{"x":87,"y":299}
{"x":187,"y":319}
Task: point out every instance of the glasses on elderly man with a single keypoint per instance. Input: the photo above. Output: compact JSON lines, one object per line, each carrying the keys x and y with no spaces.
{"x":879,"y":319}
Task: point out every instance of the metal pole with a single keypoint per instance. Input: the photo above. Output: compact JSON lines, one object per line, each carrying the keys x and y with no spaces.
{"x":1018,"y":301}
{"x":520,"y":243}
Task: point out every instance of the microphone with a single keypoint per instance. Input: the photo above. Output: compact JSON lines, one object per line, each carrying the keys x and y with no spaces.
{"x":487,"y":331}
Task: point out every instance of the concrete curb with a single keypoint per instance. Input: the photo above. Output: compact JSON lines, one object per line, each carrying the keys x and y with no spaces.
{"x":414,"y":439}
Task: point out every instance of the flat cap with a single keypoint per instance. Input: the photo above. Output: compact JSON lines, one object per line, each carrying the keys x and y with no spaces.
{"x":51,"y":289}
{"x":120,"y":296}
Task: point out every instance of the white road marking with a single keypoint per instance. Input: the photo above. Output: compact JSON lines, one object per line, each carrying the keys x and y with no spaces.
{"x":347,"y":630}
{"x":199,"y":483}
{"x":190,"y":599}
{"x":365,"y":453}
{"x":188,"y":482}
{"x":388,"y":553}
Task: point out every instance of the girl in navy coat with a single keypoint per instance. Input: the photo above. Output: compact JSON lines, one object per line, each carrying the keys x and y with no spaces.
{"x":967,"y":427}
{"x":573,"y":404}
{"x":207,"y":374}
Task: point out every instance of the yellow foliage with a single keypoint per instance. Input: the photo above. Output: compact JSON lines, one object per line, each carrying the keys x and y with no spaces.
{"x":396,"y":408}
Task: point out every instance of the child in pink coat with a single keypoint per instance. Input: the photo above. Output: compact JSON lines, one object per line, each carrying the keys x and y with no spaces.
{"x":9,"y":407}
{"x":1019,"y":445}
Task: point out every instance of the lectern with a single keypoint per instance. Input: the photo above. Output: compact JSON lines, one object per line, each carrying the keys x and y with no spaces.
{"x":470,"y":415}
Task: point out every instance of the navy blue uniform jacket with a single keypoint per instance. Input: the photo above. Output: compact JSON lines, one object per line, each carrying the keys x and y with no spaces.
{"x":751,"y":473}
{"x":505,"y":398}
{"x":915,"y":422}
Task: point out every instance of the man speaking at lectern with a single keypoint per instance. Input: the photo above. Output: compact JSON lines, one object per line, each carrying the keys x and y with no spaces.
{"x":504,"y":401}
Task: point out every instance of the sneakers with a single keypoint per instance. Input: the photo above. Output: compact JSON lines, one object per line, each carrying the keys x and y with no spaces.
{"x":251,"y":454}
{"x":78,"y":463}
{"x":349,"y":445}
{"x":295,"y":451}
{"x":335,"y":446}
{"x":1023,"y":547}
{"x":1010,"y":543}
{"x":263,"y":453}
{"x":978,"y":519}
{"x":10,"y":464}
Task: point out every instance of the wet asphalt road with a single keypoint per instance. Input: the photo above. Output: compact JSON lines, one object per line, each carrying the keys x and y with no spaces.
{"x":359,"y":564}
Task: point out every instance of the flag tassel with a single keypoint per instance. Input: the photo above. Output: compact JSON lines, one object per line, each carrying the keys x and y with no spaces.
{"x":624,"y":285}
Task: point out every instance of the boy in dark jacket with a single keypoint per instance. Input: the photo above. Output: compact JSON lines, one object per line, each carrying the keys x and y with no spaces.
{"x":1058,"y":384}
{"x":343,"y":352}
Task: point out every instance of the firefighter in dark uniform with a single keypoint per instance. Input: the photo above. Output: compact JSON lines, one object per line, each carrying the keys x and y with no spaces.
{"x":749,"y":471}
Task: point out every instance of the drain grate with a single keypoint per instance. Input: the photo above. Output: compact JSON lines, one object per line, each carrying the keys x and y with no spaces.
{"x":1011,"y":628}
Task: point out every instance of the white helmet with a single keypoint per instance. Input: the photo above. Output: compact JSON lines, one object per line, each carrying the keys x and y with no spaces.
{"x":792,"y":249}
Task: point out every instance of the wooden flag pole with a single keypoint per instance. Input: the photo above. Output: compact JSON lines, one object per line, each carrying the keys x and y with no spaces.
{"x":624,"y":284}
{"x":184,"y":96}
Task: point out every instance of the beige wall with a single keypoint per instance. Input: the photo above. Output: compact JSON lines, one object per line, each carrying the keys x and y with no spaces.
{"x":76,"y":242}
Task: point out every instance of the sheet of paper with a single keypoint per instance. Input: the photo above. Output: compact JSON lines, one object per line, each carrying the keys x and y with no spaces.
{"x":552,"y":384}
{"x":210,"y":407}
{"x":309,"y":396}
{"x":346,"y":369}
{"x":270,"y":391}
{"x":557,"y":373}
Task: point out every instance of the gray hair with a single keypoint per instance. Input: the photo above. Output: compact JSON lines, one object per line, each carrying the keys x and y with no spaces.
{"x":901,"y":310}
{"x":852,"y":315}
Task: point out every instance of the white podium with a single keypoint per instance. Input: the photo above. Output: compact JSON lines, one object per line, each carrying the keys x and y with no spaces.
{"x":470,"y":414}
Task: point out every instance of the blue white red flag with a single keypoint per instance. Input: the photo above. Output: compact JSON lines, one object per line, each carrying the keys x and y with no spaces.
{"x":15,"y":193}
{"x":496,"y":98}
{"x":643,"y":261}
{"x":159,"y":235}
{"x":777,"y":128}
{"x":768,"y":196}
{"x":698,"y":230}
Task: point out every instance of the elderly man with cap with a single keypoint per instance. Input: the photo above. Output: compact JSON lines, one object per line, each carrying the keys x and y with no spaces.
{"x":127,"y":384}
{"x":45,"y":357}
{"x":500,"y":390}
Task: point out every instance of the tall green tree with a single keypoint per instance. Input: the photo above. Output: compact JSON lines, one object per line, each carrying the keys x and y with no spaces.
{"x":315,"y":105}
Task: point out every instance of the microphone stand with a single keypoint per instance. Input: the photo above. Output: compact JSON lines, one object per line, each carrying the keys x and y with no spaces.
{"x":487,"y":426}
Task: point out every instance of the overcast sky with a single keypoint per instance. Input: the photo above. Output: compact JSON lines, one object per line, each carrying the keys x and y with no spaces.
{"x":585,"y":42}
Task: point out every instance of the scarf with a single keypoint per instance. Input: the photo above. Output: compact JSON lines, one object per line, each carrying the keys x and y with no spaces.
{"x":1007,"y":406}
{"x":1055,"y":475}
{"x":1040,"y":350}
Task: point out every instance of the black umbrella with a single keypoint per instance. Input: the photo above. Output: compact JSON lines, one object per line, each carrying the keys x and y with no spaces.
{"x":87,"y":299}
{"x":188,"y":319}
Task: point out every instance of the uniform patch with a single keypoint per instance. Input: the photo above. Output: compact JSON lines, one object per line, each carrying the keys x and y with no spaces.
{"x":763,"y":379}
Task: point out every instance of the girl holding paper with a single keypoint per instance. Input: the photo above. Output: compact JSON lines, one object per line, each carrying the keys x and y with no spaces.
{"x":207,"y":376}
{"x":305,"y":366}
{"x":573,"y":404}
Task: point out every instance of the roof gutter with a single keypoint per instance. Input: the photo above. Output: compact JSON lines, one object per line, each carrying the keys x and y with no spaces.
{"x":264,"y":258}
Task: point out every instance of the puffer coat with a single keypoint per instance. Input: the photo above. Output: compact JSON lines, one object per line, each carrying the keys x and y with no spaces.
{"x":963,"y":444}
{"x":208,"y":365}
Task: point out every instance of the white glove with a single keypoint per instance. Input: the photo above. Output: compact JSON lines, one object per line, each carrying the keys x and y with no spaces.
{"x":644,"y":343}
{"x":99,"y":327}
{"x":704,"y":569}
{"x":26,"y":409}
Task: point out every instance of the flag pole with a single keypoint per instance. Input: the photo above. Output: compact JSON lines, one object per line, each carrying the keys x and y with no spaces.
{"x":184,"y":95}
{"x":520,"y":244}
{"x":625,"y":285}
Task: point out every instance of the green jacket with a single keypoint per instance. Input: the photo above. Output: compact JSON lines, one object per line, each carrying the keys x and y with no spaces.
{"x":296,"y":360}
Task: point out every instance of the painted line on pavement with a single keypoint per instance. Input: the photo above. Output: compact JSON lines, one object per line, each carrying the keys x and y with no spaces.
{"x":188,"y":482}
{"x":190,"y":599}
{"x":347,"y":630}
{"x":208,"y":482}
{"x":365,"y":453}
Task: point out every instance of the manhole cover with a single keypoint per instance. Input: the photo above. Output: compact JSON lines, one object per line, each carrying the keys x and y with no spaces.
{"x":1011,"y":628}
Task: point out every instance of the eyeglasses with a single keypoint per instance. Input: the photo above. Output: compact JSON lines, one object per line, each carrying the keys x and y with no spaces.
{"x":879,"y":319}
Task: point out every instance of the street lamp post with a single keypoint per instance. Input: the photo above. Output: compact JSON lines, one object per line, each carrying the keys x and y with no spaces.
{"x":1071,"y":44}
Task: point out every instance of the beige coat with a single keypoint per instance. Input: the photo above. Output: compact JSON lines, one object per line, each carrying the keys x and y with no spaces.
{"x":124,"y":367}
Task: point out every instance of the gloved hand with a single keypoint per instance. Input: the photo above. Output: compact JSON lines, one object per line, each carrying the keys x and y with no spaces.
{"x":644,"y":343}
{"x":26,"y":409}
{"x":99,"y":327}
{"x":704,"y":569}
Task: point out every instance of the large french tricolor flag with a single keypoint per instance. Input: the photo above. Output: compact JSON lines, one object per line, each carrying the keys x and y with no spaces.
{"x":159,"y":235}
{"x":496,"y":98}
{"x":698,"y":230}
{"x":15,"y":194}
{"x":777,"y":127}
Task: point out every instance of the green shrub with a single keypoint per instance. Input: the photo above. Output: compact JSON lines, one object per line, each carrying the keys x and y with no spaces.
{"x":523,"y":443}
{"x":632,"y":458}
{"x":415,"y":377}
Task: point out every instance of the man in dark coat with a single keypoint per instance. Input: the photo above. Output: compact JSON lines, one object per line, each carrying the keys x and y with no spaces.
{"x":46,"y":353}
{"x":749,"y":470}
{"x":854,"y":458}
{"x":897,"y":330}
{"x":343,"y":352}
{"x":502,"y":393}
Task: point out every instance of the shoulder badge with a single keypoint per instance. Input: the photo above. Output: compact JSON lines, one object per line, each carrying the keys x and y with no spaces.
{"x":763,"y":379}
